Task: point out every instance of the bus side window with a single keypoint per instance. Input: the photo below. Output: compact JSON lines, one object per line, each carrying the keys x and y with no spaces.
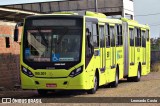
{"x":120,"y":35}
{"x":89,"y":39}
{"x":119,"y":41}
{"x":138,"y":37}
{"x":95,"y":35}
{"x":131,"y":37}
{"x":89,"y":33}
{"x":89,"y":26}
{"x":117,"y":34}
{"x":107,"y":36}
{"x":101,"y":36}
{"x":143,"y":39}
{"x":112,"y":35}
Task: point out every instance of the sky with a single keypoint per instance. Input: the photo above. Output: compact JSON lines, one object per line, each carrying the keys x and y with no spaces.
{"x":146,"y":7}
{"x":141,"y":7}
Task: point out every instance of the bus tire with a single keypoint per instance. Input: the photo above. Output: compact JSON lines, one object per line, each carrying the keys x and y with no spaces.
{"x":42,"y":92}
{"x":138,"y":77}
{"x":94,"y":89}
{"x":115,"y":83}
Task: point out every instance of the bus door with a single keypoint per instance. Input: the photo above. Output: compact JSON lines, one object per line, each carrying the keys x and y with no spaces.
{"x":108,"y":51}
{"x":138,"y":46}
{"x":131,"y":49}
{"x":102,"y":49}
{"x":144,"y":71}
{"x":147,"y":51}
{"x":113,"y":55}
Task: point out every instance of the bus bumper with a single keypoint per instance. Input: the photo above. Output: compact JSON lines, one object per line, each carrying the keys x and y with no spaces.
{"x":68,"y":83}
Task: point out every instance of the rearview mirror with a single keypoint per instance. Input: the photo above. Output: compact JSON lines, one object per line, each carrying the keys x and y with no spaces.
{"x":16,"y":31}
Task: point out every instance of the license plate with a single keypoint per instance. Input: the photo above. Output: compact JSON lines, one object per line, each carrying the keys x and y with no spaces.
{"x":51,"y":85}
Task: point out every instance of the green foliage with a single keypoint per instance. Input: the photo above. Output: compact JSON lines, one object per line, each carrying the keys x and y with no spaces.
{"x":155,"y":44}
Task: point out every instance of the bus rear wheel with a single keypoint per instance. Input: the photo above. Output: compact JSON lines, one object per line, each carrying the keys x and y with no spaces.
{"x":115,"y":83}
{"x":94,"y":89}
{"x":138,"y":77}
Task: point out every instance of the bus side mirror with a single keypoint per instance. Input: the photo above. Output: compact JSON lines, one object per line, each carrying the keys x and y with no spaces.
{"x":16,"y":32}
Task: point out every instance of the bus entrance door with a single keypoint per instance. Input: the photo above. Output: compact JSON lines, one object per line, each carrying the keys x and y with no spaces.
{"x":102,"y":49}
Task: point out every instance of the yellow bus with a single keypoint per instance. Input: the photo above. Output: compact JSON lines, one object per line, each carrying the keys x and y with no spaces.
{"x":81,"y":51}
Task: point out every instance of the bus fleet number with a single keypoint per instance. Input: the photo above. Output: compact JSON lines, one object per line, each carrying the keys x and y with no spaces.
{"x":40,"y":73}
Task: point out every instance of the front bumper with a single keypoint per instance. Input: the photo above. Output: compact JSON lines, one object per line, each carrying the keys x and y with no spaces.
{"x":68,"y":83}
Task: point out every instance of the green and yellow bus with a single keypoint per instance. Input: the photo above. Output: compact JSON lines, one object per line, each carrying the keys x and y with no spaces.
{"x":81,"y":51}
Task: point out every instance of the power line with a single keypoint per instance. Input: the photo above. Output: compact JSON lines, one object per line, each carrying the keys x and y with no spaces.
{"x":147,"y":15}
{"x":154,"y":25}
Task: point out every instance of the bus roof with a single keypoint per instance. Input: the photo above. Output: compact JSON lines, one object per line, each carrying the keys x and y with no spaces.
{"x":100,"y":16}
{"x":134,"y":23}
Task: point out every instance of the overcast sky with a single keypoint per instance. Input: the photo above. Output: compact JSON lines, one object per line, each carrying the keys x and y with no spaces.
{"x":141,"y":7}
{"x":144,"y":7}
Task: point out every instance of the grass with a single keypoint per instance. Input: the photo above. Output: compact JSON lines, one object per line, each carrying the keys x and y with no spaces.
{"x":155,"y":67}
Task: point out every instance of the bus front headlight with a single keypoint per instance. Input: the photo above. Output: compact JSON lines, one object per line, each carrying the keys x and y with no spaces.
{"x":76,"y":72}
{"x":27,"y":72}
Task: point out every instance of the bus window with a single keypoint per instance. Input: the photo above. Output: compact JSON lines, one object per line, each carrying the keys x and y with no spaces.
{"x":107,"y":36}
{"x":143,"y":39}
{"x":101,"y":34}
{"x":131,"y":37}
{"x":138,"y":37}
{"x":89,"y":45}
{"x":112,"y":36}
{"x":119,"y":41}
{"x":116,"y":34}
{"x":89,"y":26}
{"x":95,"y":35}
{"x":120,"y":34}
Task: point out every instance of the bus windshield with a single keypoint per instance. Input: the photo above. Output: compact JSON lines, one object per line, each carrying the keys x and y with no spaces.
{"x":52,"y":43}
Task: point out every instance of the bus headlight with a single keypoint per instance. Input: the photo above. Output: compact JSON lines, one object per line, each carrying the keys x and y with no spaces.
{"x":27,"y":72}
{"x":76,"y":72}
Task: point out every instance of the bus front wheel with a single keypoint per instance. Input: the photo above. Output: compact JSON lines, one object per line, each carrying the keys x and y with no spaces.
{"x":94,"y":89}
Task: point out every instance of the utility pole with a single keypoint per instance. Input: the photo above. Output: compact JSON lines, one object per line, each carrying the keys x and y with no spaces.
{"x":96,"y":5}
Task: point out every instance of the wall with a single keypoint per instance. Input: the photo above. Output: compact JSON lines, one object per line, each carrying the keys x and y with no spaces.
{"x":9,"y":57}
{"x":128,"y":8}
